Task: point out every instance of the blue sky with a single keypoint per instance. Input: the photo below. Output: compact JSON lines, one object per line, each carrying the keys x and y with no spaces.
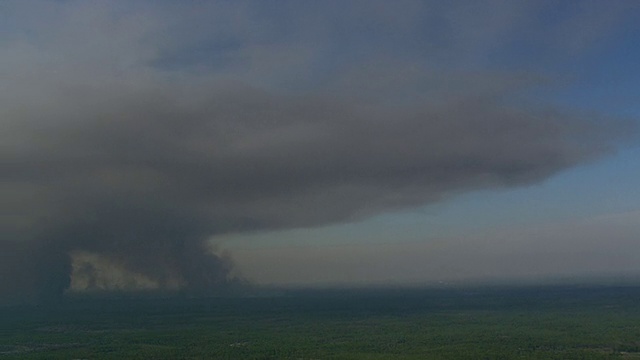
{"x":153,"y":144}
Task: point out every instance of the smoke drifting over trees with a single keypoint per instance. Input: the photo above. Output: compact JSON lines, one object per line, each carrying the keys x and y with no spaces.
{"x":114,"y":143}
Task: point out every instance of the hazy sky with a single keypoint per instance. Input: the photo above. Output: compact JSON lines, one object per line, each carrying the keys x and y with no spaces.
{"x":316,"y":142}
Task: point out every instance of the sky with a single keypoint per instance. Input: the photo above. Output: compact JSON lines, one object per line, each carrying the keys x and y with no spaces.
{"x":188,"y":146}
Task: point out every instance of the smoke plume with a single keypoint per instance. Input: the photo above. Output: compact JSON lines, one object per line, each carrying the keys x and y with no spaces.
{"x":114,"y":143}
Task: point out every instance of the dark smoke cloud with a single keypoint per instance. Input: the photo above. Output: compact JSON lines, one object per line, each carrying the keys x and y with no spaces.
{"x":145,"y":180}
{"x":143,"y":165}
{"x":34,"y":271}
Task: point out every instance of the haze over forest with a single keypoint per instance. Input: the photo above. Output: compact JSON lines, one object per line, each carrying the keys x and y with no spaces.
{"x":188,"y":146}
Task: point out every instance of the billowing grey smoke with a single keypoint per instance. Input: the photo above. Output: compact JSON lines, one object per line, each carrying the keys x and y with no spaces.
{"x":148,"y":177}
{"x":109,"y":148}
